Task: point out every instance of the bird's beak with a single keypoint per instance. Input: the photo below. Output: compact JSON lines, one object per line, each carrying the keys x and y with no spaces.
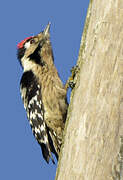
{"x":47,"y":29}
{"x":46,"y":32}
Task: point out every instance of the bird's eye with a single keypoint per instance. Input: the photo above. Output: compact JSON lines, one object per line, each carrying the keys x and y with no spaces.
{"x":32,"y":41}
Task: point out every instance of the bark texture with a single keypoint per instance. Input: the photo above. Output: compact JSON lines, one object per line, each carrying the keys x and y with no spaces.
{"x":93,"y":146}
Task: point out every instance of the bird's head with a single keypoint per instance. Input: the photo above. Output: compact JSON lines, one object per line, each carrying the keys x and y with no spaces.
{"x":29,"y":49}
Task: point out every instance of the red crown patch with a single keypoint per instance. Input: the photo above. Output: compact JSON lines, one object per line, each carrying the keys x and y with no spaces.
{"x":20,"y":45}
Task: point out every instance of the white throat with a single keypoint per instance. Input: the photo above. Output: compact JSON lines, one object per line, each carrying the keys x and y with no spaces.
{"x":27,"y":64}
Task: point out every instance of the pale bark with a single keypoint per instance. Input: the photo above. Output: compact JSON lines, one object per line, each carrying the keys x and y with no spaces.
{"x":93,"y":143}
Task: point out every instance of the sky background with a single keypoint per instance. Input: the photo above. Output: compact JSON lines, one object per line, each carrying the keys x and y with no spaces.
{"x":20,"y":155}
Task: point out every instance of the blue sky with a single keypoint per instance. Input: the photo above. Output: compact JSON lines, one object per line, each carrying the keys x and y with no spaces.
{"x":20,"y":155}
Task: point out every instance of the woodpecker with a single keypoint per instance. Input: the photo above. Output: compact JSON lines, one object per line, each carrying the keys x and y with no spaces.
{"x":42,"y":92}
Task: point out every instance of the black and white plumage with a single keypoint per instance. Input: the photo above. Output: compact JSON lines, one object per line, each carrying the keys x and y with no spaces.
{"x":43,"y":93}
{"x":31,"y":95}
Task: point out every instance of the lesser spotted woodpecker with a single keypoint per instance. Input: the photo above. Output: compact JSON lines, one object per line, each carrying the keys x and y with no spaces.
{"x":43,"y":94}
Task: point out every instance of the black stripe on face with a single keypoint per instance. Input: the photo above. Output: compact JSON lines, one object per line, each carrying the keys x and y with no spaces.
{"x":35,"y":56}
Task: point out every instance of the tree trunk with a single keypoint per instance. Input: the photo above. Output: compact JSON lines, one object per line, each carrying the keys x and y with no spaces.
{"x":93,"y":142}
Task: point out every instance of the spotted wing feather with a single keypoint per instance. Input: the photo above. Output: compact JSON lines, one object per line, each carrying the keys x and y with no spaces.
{"x":31,"y":95}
